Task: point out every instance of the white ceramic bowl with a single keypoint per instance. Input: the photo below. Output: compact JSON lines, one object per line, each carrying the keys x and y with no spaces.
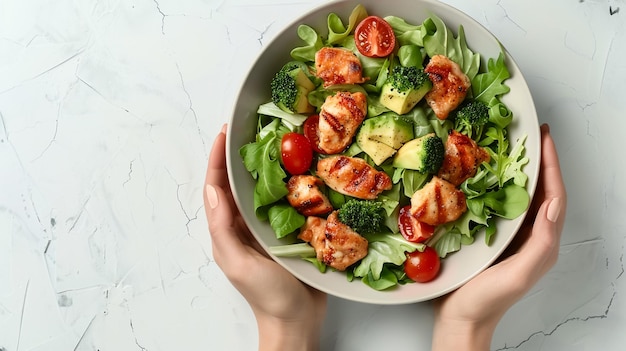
{"x":457,"y":268}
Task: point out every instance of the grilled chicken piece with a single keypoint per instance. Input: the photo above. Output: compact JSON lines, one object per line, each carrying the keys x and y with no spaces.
{"x":353,"y":177}
{"x":450,"y":85}
{"x":313,"y":233}
{"x":462,"y":158}
{"x":335,"y":244}
{"x":339,"y":118}
{"x":338,"y":66}
{"x":438,"y":202}
{"x":306,"y":197}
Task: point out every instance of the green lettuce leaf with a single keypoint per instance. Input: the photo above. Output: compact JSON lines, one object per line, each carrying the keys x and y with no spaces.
{"x":384,"y":248}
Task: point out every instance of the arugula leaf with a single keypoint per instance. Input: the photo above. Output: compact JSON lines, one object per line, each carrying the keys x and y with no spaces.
{"x":486,"y":86}
{"x":507,"y":166}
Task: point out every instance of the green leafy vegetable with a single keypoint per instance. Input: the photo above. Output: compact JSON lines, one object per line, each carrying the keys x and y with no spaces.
{"x":384,"y":248}
{"x":284,"y":219}
{"x":261,"y":159}
{"x":486,"y":86}
{"x":337,"y":31}
{"x":439,"y":40}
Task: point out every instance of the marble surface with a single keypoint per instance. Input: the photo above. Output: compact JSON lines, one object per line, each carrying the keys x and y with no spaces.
{"x":108,"y":110}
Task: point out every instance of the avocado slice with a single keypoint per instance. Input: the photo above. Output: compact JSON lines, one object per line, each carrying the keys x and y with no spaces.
{"x":402,"y":102}
{"x":381,"y":136}
{"x":424,"y":154}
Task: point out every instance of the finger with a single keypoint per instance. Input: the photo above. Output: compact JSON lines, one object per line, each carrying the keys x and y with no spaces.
{"x":227,"y":245}
{"x":550,"y":178}
{"x":539,"y":252}
{"x":216,"y":171}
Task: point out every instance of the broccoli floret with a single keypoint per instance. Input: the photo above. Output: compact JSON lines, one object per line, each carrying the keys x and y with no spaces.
{"x":424,"y":154}
{"x":290,"y":87}
{"x":363,"y":216}
{"x":471,"y":118}
{"x":407,"y":78}
{"x":432,"y":154}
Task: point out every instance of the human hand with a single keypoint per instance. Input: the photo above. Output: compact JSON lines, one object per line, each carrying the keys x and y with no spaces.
{"x":467,"y":318}
{"x":289,"y":313}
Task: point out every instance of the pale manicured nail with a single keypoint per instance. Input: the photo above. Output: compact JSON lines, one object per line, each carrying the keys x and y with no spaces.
{"x":224,"y":128}
{"x":554,"y":209}
{"x":211,"y":196}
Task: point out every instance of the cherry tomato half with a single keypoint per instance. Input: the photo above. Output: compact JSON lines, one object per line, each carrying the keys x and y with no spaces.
{"x":411,"y":228}
{"x":422,"y":266}
{"x":296,"y":153}
{"x":311,"y":131}
{"x":374,"y":37}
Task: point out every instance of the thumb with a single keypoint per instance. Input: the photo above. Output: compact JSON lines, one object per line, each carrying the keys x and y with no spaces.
{"x":227,"y":244}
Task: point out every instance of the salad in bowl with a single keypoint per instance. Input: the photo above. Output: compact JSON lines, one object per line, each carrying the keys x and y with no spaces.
{"x":384,"y":153}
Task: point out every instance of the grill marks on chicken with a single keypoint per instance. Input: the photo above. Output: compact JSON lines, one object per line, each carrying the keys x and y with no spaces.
{"x":450,"y":85}
{"x":438,"y":202}
{"x":339,"y":119}
{"x":353,"y":177}
{"x":462,"y":158}
{"x":335,"y":243}
{"x":306,"y":197}
{"x":338,"y":66}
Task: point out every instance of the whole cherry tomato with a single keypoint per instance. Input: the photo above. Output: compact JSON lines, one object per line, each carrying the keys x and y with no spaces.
{"x":296,"y":153}
{"x":422,"y":266}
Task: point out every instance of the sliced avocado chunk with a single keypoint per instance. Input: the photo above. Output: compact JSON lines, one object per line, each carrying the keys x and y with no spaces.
{"x":301,"y":79}
{"x":402,"y":102}
{"x":424,"y":154}
{"x":404,"y":88}
{"x":389,"y":129}
{"x":381,"y":136}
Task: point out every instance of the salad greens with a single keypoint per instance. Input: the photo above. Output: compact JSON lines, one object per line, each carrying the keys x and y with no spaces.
{"x":496,"y":190}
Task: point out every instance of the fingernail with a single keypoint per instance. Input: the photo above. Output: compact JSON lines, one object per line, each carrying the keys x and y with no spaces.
{"x":224,"y":128}
{"x":211,"y":196}
{"x":554,"y":209}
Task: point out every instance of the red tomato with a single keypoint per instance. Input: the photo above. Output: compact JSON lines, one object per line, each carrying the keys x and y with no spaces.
{"x":422,"y":266}
{"x":311,"y":131}
{"x":411,"y":228}
{"x":374,"y":37}
{"x":296,"y":152}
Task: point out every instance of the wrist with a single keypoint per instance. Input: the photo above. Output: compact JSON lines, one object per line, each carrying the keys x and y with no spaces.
{"x":276,"y":334}
{"x":462,"y":335}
